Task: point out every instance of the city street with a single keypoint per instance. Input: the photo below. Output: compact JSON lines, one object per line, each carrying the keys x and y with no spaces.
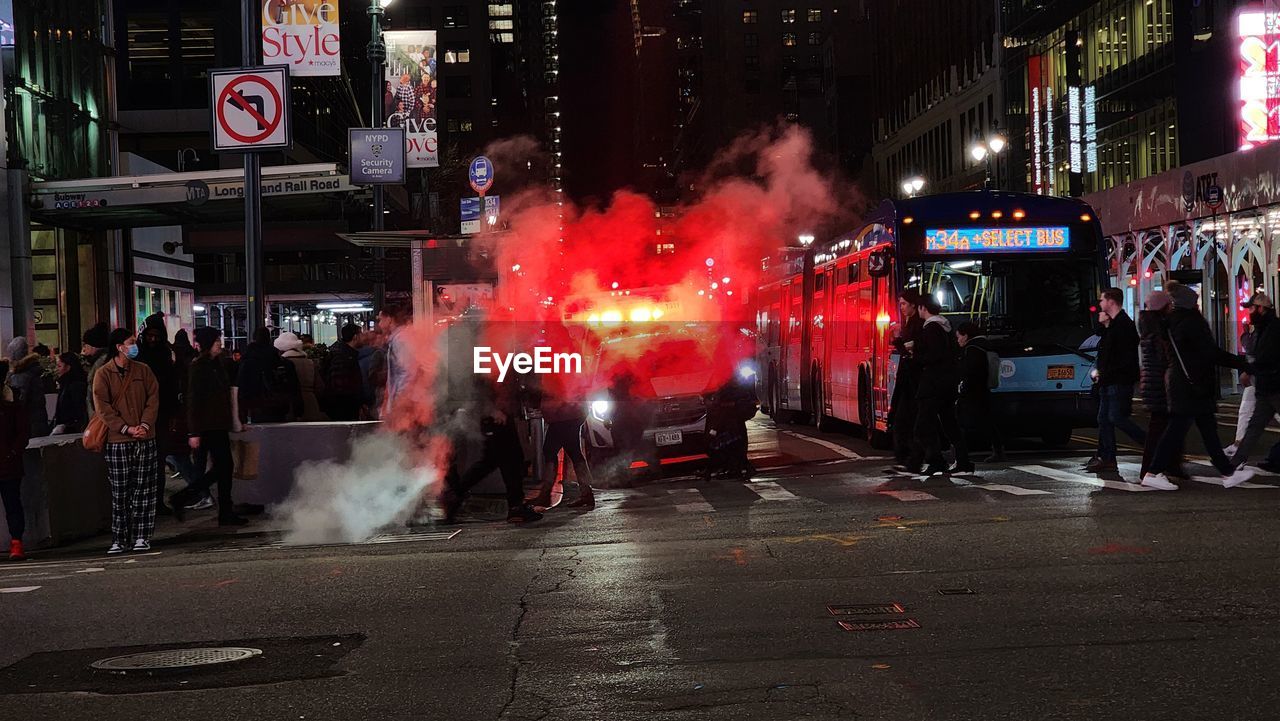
{"x":1031,"y":590}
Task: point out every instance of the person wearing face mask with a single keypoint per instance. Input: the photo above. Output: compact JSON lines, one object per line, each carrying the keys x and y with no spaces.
{"x":1265,"y":378}
{"x":127,"y":396}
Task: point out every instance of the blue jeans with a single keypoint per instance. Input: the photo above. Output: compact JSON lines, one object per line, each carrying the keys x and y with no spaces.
{"x":182,"y":463}
{"x":1115,"y":406}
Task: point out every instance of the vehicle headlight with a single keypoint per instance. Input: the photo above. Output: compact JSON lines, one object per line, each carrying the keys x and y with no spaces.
{"x":602,"y":410}
{"x":1093,"y":374}
{"x":746,"y":371}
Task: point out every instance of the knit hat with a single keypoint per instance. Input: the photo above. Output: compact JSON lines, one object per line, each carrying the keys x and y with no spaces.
{"x":18,"y":348}
{"x":206,"y":336}
{"x":155,"y":321}
{"x":1183,"y":296}
{"x":98,"y":336}
{"x":288,"y":341}
{"x":1158,"y":300}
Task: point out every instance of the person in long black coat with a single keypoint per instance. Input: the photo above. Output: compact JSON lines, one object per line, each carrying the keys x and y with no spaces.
{"x":902,"y":407}
{"x":1154,"y":349}
{"x":71,"y":415}
{"x":937,"y":355}
{"x":1192,"y":383}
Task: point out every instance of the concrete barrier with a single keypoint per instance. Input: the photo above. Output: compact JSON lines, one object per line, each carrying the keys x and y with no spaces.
{"x":64,"y":492}
{"x":266,"y":455}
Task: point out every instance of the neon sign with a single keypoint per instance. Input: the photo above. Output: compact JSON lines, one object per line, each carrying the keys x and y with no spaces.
{"x":1259,"y":77}
{"x":996,"y":240}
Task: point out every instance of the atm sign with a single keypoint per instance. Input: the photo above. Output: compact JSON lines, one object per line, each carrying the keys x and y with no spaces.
{"x":996,"y":240}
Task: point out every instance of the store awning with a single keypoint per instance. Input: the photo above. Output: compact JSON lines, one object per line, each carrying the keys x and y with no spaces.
{"x":288,"y":191}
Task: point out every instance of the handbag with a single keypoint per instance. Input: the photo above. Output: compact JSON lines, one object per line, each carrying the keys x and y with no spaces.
{"x":95,"y":434}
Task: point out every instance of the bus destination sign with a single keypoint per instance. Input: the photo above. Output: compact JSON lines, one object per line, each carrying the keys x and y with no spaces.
{"x":996,"y":240}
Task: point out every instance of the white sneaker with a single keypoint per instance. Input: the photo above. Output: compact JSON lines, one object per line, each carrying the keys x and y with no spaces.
{"x":202,"y":504}
{"x":141,"y":545}
{"x":1241,"y":474}
{"x":1231,"y":449}
{"x":1158,"y":481}
{"x":115,"y":548}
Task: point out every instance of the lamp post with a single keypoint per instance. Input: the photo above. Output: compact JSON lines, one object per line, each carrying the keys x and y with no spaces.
{"x":989,"y":150}
{"x":377,"y":53}
{"x":911,"y":187}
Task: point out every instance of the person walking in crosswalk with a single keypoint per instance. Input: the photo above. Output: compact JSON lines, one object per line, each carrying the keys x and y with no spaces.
{"x":1261,"y":311}
{"x":1192,"y":383}
{"x":979,"y":373}
{"x":1117,"y":367}
{"x":1153,"y":345}
{"x":937,"y":356}
{"x":1265,"y":379}
{"x":902,"y":407}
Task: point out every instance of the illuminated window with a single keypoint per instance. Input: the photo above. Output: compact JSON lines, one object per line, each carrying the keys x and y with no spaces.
{"x":504,"y":38}
{"x":750,"y":16}
{"x":815,"y":38}
{"x":502,"y":25}
{"x":500,"y":10}
{"x":666,"y":248}
{"x":788,"y":16}
{"x":789,"y":40}
{"x":455,"y":53}
{"x":815,"y":15}
{"x":465,"y":126}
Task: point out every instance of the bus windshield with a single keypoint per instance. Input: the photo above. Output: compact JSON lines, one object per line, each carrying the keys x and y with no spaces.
{"x":1030,"y":300}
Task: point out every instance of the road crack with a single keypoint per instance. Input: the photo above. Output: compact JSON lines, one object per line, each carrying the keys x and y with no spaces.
{"x":562,"y":573}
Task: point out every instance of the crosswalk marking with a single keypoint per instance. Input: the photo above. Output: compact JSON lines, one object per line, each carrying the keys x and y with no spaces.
{"x":910,"y":495}
{"x":691,"y":499}
{"x":771,"y":491}
{"x":825,"y":444}
{"x":1060,"y":475}
{"x":1013,"y":490}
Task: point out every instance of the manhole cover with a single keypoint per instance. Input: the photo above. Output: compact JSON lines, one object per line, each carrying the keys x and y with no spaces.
{"x":176,"y":658}
{"x":866,"y":609}
{"x":879,"y":625}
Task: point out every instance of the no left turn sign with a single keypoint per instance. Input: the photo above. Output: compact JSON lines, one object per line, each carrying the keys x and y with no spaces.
{"x":250,"y":109}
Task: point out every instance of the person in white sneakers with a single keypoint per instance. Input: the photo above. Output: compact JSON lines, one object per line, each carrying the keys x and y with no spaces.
{"x":1261,"y":312}
{"x":1266,"y":376}
{"x":1192,"y":386}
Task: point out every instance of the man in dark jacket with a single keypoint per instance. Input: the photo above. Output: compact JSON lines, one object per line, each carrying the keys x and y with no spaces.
{"x":973,"y":408}
{"x":1117,"y":367}
{"x":268,"y":384}
{"x":154,"y":351}
{"x":343,"y":381}
{"x":209,"y":426}
{"x":902,"y":407}
{"x":495,"y":407}
{"x":1152,"y":388}
{"x":1192,"y":381}
{"x":1266,"y":375}
{"x":936,"y":357}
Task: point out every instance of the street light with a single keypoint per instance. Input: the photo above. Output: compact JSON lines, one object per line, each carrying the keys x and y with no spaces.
{"x":911,"y":187}
{"x":989,"y":150}
{"x":806,"y":239}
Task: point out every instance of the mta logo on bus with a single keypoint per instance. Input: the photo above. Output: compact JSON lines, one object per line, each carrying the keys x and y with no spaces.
{"x":996,"y":240}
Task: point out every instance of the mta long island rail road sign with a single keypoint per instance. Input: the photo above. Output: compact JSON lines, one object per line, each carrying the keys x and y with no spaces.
{"x":377,"y":156}
{"x":250,"y":108}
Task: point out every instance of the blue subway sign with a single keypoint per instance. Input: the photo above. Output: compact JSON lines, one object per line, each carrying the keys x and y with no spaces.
{"x":996,"y":240}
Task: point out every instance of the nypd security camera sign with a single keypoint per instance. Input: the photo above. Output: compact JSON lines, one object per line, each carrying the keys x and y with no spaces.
{"x":377,"y":156}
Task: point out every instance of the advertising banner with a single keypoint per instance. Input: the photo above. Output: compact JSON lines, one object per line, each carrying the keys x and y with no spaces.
{"x":411,"y":92}
{"x":302,"y":34}
{"x":1259,"y":76}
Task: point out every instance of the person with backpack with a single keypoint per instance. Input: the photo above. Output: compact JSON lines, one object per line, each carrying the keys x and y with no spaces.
{"x":127,"y":397}
{"x":15,"y":432}
{"x":979,"y":374}
{"x":936,"y":355}
{"x":343,"y":380}
{"x":310,"y":385}
{"x":267,"y":384}
{"x":1192,"y":382}
{"x":26,"y":378}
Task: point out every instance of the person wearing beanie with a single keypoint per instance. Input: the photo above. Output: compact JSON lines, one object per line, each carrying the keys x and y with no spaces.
{"x":310,"y":385}
{"x":902,"y":407}
{"x":14,"y":435}
{"x":1192,"y":382}
{"x":154,"y":350}
{"x":1259,"y":308}
{"x":1264,"y":378}
{"x":26,"y":380}
{"x":1153,"y":346}
{"x":95,"y":354}
{"x":127,"y":397}
{"x":209,"y":423}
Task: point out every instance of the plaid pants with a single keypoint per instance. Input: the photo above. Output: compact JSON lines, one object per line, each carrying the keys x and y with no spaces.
{"x":131,"y":469}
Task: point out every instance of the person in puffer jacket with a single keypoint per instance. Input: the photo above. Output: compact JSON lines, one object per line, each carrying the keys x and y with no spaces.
{"x":1153,"y":347}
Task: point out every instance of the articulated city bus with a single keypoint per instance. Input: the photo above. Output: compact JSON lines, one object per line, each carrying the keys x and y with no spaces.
{"x":1028,"y":269}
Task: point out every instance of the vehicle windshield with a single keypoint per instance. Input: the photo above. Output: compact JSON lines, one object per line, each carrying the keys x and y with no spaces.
{"x":1033,"y":301}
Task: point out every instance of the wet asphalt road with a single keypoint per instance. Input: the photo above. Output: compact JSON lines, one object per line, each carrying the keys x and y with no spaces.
{"x":686,"y":600}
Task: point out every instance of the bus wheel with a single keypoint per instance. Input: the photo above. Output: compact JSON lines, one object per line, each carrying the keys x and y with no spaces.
{"x":822,"y":420}
{"x":1058,"y":437}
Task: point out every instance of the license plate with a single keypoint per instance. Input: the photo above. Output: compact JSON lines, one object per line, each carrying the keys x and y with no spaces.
{"x":1061,"y":373}
{"x":669,"y":438}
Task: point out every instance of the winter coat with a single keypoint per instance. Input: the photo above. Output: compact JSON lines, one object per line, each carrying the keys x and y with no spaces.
{"x":310,"y":385}
{"x":1266,"y":355}
{"x":1154,"y":346}
{"x":975,"y":370}
{"x":72,"y":413}
{"x":157,"y":354}
{"x":99,"y":361}
{"x":128,"y":399}
{"x":936,"y":355}
{"x":908,"y":368}
{"x":14,"y":435}
{"x":260,"y":398}
{"x":1118,"y":352}
{"x":208,"y":399}
{"x":1192,"y":380}
{"x":26,"y":378}
{"x":343,"y":379}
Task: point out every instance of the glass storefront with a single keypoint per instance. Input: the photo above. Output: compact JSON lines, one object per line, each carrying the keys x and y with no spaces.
{"x":175,"y":303}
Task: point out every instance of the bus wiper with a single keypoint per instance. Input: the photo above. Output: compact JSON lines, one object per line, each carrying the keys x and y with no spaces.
{"x":1073,"y":351}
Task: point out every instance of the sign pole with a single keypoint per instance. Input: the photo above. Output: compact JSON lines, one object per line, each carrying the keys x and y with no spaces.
{"x":377,"y":56}
{"x":255,"y":314}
